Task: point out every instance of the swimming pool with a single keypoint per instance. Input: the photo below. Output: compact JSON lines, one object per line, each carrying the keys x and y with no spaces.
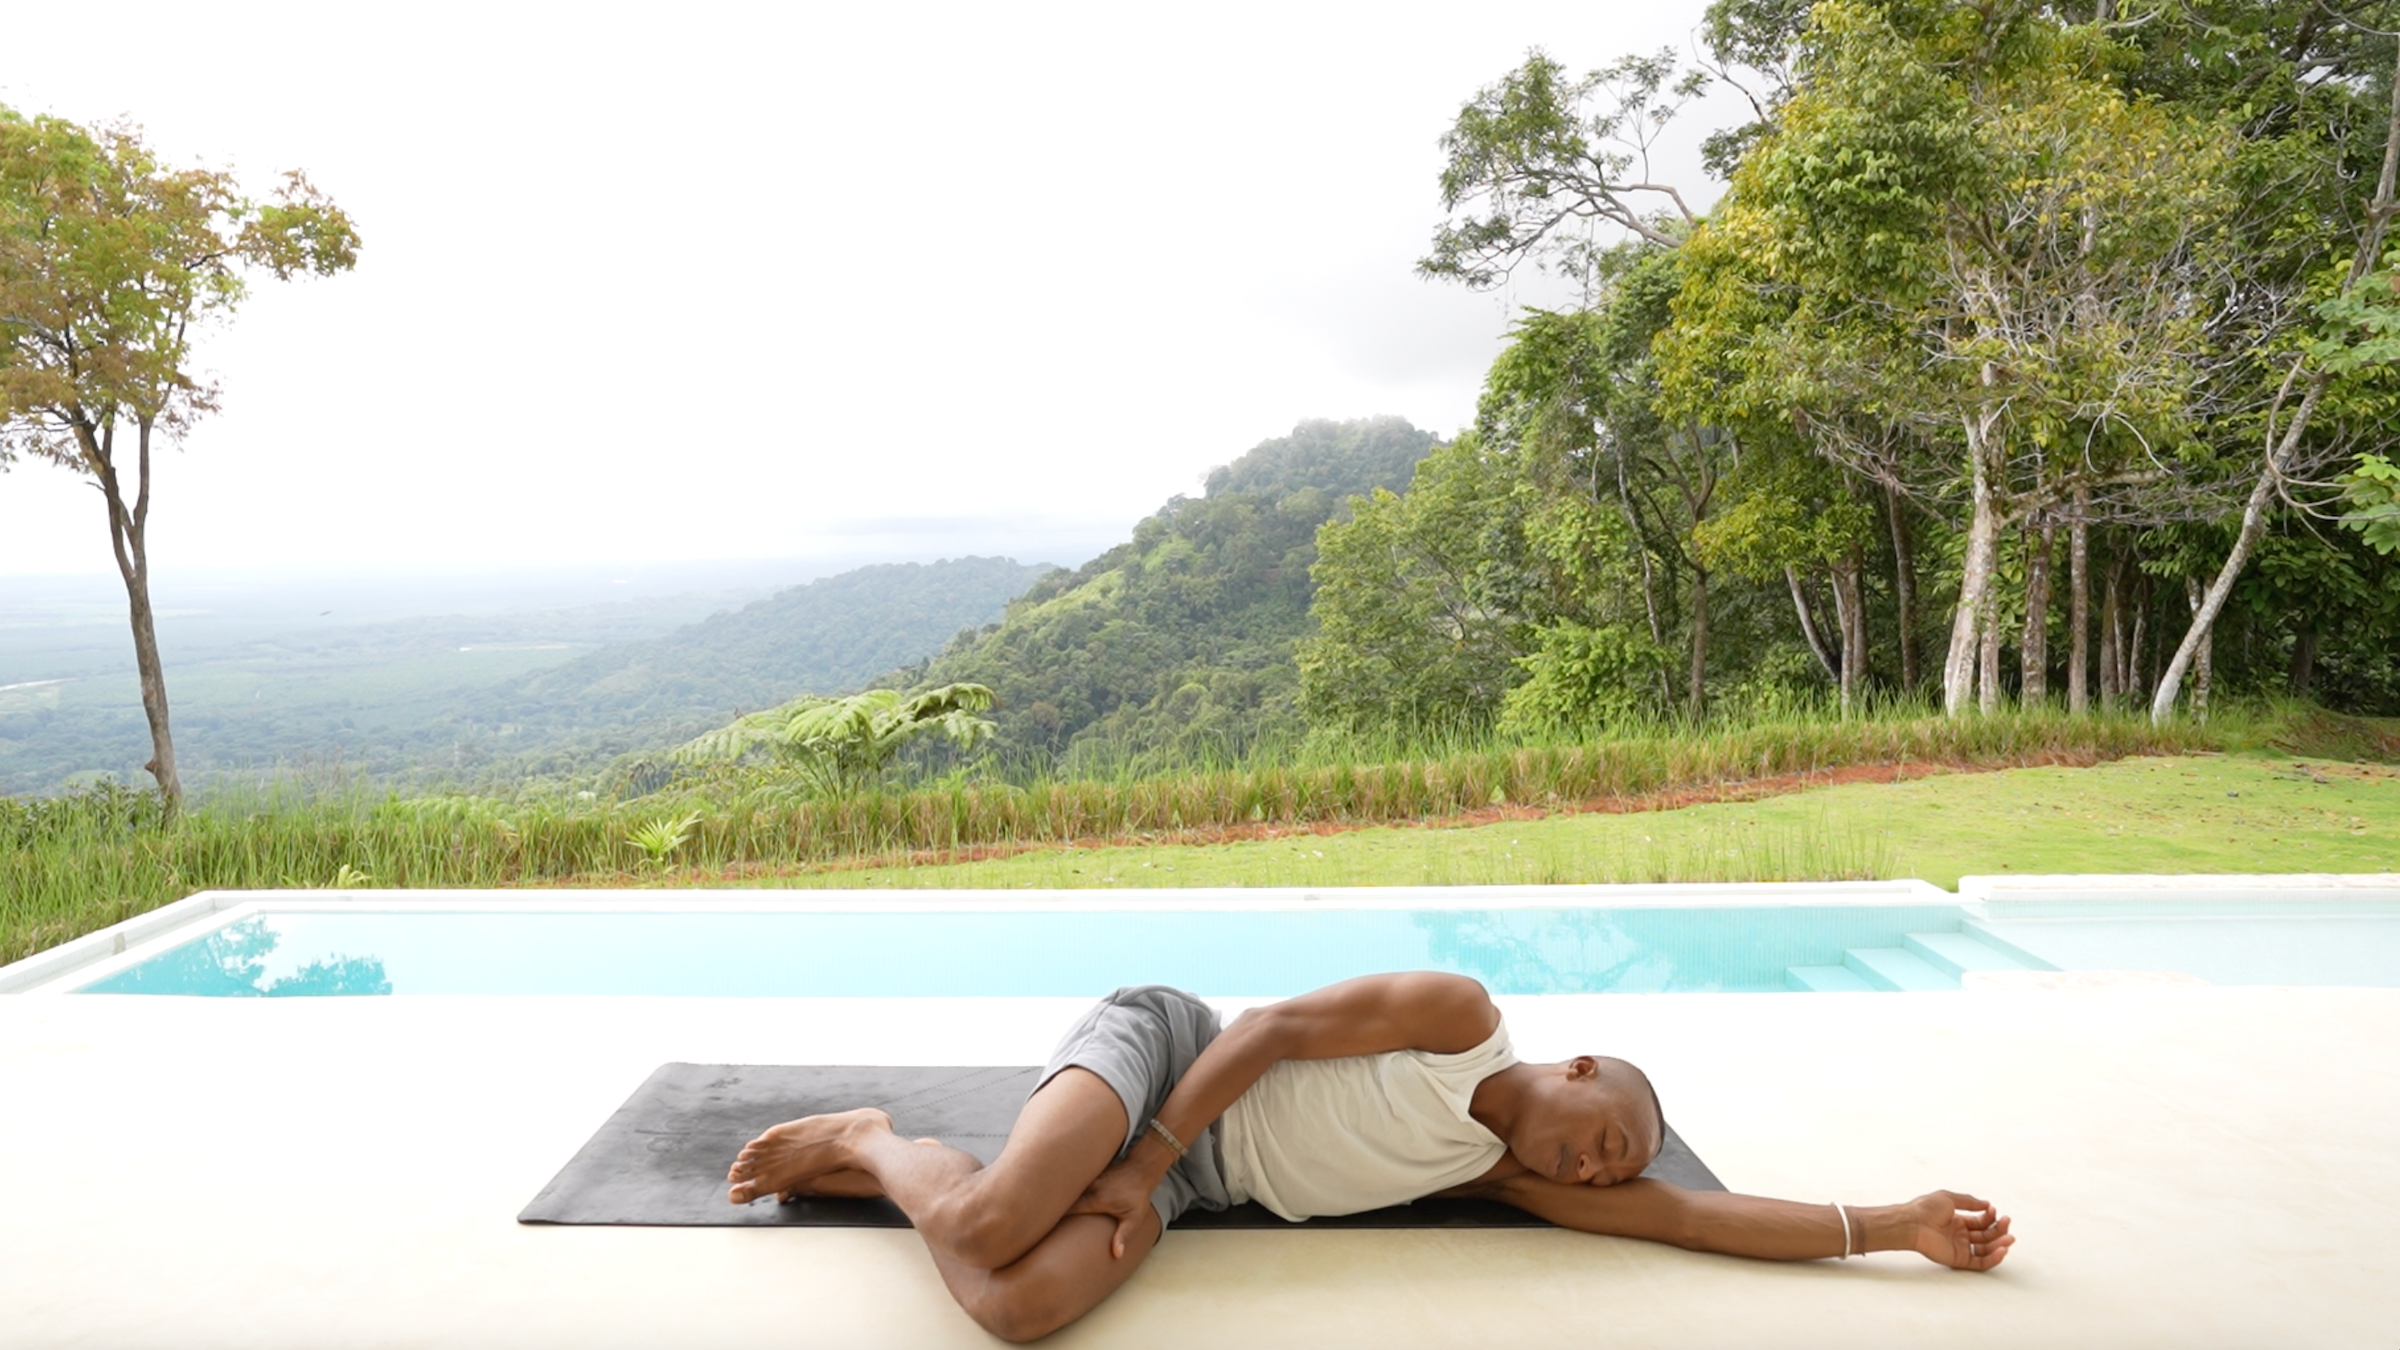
{"x":1559,"y":940}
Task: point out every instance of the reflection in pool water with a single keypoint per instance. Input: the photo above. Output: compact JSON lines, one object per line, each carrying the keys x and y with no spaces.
{"x":1005,"y":953}
{"x":232,"y":963}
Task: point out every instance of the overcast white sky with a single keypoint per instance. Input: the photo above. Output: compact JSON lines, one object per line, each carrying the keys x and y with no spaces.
{"x":694,"y":281}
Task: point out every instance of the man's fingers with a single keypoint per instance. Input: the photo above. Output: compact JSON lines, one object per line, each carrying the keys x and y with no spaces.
{"x":1985,"y":1255}
{"x":1988,"y":1234}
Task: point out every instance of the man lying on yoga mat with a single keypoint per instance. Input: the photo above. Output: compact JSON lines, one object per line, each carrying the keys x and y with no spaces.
{"x":1371,"y":1092}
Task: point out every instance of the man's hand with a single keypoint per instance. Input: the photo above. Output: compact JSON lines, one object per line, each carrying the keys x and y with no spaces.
{"x":1959,"y":1231}
{"x":1123,"y":1191}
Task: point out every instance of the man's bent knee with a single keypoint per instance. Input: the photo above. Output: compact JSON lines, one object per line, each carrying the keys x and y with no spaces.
{"x":1020,"y":1309}
{"x":983,"y":1230}
{"x":1015,"y":1319}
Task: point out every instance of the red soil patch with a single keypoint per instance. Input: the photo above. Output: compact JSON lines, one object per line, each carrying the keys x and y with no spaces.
{"x":1672,"y":799}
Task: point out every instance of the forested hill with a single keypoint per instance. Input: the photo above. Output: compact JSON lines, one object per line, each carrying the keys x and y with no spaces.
{"x":1181,"y":638}
{"x":826,"y":637}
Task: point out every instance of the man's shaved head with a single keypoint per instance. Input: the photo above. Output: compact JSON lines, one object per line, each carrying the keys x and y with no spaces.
{"x":1592,"y":1119}
{"x":1627,"y":1069}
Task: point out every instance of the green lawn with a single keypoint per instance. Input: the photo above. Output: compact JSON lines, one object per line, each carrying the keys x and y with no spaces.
{"x":2200,"y":813}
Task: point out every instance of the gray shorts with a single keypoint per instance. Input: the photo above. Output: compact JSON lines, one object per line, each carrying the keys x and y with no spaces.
{"x":1141,"y":1040}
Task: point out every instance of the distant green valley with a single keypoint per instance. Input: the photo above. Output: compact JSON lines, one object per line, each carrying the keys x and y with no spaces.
{"x":495,"y":699}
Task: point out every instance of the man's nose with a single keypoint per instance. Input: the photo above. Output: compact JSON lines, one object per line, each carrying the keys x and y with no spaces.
{"x":1585,"y":1168}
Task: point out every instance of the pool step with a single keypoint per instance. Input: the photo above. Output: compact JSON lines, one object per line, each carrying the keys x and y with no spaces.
{"x":1897,"y":968}
{"x":1923,"y":961}
{"x":1975,"y":929}
{"x":1958,"y":953}
{"x":1826,"y":980}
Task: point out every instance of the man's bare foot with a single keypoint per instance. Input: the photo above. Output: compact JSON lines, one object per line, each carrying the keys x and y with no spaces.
{"x":797,"y":1152}
{"x":847,"y":1182}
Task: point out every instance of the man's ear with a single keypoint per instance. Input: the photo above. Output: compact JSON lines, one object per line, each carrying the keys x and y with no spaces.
{"x":1582,"y":1067}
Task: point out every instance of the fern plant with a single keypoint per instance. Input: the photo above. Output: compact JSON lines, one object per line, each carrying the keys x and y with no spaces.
{"x":841,"y":745}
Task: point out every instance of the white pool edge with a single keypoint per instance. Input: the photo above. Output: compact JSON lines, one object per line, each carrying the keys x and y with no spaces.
{"x":2188,"y":885}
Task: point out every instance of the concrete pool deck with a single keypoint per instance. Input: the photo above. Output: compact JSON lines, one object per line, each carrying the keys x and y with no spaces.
{"x":2188,"y":1166}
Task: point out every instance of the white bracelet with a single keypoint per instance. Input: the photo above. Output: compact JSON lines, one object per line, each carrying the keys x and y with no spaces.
{"x":1169,"y":1136}
{"x":1837,"y":1208}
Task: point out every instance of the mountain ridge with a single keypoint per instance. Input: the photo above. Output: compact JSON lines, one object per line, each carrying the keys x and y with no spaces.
{"x":1180,"y":641}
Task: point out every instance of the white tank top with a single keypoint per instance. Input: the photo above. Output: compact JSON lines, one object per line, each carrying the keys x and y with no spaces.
{"x":1336,"y":1136}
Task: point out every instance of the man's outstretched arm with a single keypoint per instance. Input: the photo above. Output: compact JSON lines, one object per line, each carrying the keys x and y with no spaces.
{"x":1957,"y":1230}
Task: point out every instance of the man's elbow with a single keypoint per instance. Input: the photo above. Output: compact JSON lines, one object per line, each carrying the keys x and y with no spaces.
{"x":1273,"y":1029}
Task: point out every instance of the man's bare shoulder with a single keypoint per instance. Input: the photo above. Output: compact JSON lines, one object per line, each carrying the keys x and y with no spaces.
{"x":1411,"y":1010}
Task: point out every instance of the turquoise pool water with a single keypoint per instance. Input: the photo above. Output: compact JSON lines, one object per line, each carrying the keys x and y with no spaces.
{"x":1010,"y":953}
{"x":1234,"y":952}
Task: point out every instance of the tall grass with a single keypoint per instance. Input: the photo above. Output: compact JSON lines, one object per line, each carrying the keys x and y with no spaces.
{"x":68,"y":866}
{"x":1706,"y":849}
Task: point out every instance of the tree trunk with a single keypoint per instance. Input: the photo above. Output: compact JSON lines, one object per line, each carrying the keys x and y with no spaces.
{"x":2203,"y":664}
{"x":2033,"y":659}
{"x":1987,"y":687}
{"x":1808,"y":623}
{"x":1858,"y":623}
{"x":2079,"y":606}
{"x":128,"y":535}
{"x":2112,"y":636}
{"x":1848,"y":615}
{"x":1633,"y":523}
{"x":2245,"y":542}
{"x":1958,"y":664}
{"x":2304,"y":664}
{"x":1983,"y":553}
{"x":1697,"y":697}
{"x":1987,"y":627}
{"x":2135,"y":668}
{"x":1904,"y":585}
{"x":2279,"y":453}
{"x":1658,"y":631}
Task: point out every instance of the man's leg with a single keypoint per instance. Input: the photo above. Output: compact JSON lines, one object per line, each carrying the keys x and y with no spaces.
{"x":1066,"y":1275}
{"x":980,"y":1218}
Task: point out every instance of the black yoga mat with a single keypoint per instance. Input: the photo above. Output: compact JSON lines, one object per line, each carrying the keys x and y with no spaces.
{"x":661,"y":1159}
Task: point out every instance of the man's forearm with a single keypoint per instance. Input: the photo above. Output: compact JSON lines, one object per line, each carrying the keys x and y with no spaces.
{"x":1788,"y":1230}
{"x":1224,"y":1071}
{"x":1712,"y":1221}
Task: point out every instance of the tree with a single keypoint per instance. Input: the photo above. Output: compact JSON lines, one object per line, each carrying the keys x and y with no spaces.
{"x":2000,"y":272}
{"x":1791,"y":513}
{"x":111,"y":264}
{"x":1962,"y":230}
{"x":1576,"y":399}
{"x":1421,"y":598}
{"x":2344,"y":350}
{"x":1533,"y":168}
